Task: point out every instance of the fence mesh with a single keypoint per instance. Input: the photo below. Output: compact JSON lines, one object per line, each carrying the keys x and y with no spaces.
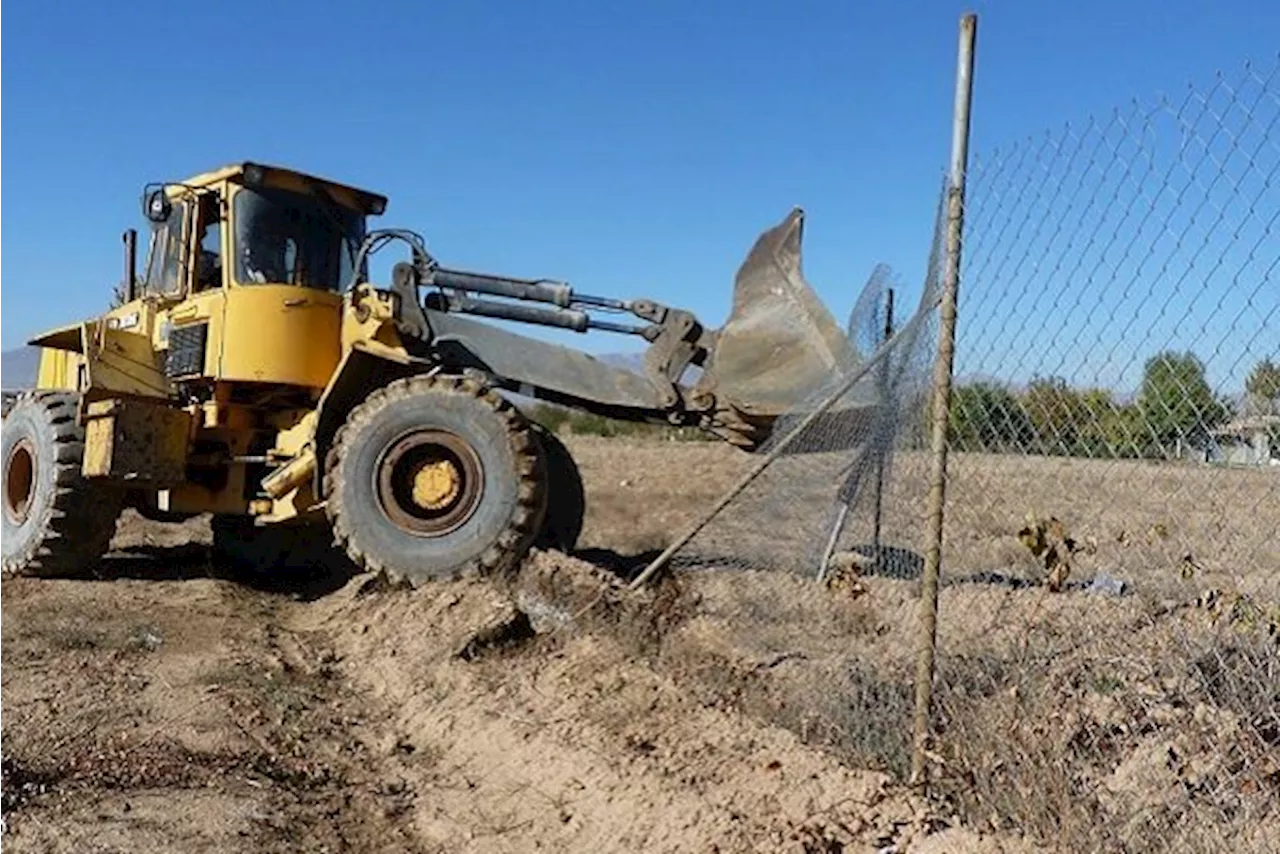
{"x":799,"y":574}
{"x":822,"y":503}
{"x":1108,"y":639}
{"x":1108,"y":665}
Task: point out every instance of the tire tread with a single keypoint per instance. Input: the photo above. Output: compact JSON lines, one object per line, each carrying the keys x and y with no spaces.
{"x":78,"y":522}
{"x":511,"y":544}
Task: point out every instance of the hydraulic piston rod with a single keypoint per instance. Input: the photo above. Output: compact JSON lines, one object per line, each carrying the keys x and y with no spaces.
{"x":529,"y":290}
{"x":564,"y":318}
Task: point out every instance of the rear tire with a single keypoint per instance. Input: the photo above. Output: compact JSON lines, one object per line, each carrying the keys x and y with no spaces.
{"x":55,"y":521}
{"x":433,"y":477}
{"x":566,"y":496}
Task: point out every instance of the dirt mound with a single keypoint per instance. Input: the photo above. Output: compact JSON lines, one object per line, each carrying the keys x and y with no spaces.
{"x":562,"y":710}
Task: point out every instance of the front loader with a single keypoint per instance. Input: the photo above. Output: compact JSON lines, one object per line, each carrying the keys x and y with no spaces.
{"x":252,"y":372}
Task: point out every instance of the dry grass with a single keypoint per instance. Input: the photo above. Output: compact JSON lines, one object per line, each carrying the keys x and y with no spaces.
{"x":1098,"y":722}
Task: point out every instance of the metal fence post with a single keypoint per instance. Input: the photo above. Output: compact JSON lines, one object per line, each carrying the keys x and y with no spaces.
{"x":883,"y":395}
{"x":941,"y":401}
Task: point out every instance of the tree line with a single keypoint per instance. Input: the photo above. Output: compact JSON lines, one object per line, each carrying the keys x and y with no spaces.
{"x":1174,"y":410}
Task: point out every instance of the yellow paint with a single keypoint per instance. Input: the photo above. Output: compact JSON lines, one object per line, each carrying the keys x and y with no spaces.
{"x":298,"y":504}
{"x":279,"y":334}
{"x":135,"y":440}
{"x":291,"y":440}
{"x":205,"y":307}
{"x":59,"y":369}
{"x":278,"y":176}
{"x":436,"y":484}
{"x":369,"y":316}
{"x":275,"y":334}
{"x":291,"y":475}
{"x":98,"y":435}
{"x":120,"y":363}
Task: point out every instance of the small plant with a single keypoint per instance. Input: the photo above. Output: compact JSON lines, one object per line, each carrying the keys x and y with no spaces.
{"x":1049,"y":540}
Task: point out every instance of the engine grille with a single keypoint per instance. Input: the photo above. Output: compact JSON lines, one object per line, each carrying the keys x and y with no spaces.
{"x":186,"y":350}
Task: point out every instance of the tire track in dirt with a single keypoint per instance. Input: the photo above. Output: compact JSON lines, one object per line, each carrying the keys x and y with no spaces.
{"x":177,"y":715}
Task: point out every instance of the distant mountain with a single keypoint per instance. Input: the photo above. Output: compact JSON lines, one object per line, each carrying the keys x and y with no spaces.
{"x":19,"y":367}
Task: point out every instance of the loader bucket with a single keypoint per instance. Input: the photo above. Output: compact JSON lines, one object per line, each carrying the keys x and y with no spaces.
{"x":780,"y":342}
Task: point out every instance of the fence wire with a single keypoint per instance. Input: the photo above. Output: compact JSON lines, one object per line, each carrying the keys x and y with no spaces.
{"x":1108,"y":660}
{"x":821,"y":504}
{"x":791,"y":572}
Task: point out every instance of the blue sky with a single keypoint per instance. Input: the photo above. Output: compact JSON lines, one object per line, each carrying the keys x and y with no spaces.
{"x":632,"y":149}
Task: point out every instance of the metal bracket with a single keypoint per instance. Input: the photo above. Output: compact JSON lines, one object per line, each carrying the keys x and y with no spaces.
{"x":678,"y":344}
{"x":410,"y":319}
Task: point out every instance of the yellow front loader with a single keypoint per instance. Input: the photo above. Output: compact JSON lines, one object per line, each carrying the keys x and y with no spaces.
{"x":251,"y":371}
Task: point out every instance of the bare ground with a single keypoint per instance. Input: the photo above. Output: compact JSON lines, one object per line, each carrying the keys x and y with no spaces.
{"x":157,"y":706}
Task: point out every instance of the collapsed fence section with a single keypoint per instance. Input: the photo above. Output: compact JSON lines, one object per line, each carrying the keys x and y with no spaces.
{"x":818,"y":496}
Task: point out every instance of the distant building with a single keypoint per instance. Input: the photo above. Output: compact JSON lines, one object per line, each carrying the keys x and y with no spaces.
{"x":1249,"y":441}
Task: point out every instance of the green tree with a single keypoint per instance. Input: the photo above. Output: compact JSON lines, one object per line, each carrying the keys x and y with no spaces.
{"x":1263,"y":386}
{"x":1104,"y":432}
{"x":1176,"y":402}
{"x":1122,"y":433}
{"x":1057,"y":414}
{"x":1074,"y":422}
{"x":988,"y":417}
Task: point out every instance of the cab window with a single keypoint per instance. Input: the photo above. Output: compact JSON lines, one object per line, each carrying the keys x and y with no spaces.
{"x":291,"y":238}
{"x":209,"y":263}
{"x":166,"y":259}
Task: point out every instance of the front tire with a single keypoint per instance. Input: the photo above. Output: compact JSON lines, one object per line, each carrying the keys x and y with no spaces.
{"x":433,"y":477}
{"x":566,"y":496}
{"x":55,"y":521}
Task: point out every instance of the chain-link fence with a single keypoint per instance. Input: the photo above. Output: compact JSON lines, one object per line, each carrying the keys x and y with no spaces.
{"x":818,"y":502}
{"x":1108,"y":652}
{"x":1105,"y":672}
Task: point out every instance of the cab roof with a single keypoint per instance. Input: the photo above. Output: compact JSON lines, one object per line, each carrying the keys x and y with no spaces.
{"x":373,"y":203}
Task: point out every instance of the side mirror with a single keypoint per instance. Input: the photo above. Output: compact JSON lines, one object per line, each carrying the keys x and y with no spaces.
{"x":156,"y":206}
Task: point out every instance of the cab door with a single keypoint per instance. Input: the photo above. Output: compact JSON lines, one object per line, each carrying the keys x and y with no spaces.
{"x":279,"y":330}
{"x":184,"y":265}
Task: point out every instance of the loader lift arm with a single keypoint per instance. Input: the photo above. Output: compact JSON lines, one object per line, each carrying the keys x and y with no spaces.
{"x":676,"y":338}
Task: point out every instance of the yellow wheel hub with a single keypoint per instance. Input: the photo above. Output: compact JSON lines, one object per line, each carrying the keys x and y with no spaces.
{"x":436,"y":484}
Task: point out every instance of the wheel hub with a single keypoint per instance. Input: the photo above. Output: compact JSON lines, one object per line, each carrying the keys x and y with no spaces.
{"x":19,"y":481}
{"x":429,"y":482}
{"x":436,"y":484}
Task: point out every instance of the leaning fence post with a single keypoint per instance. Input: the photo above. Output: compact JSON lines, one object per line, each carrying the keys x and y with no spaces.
{"x":882,"y":457}
{"x":941,"y":400}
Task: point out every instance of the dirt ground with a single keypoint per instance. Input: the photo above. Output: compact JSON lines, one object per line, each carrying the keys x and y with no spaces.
{"x":157,"y":705}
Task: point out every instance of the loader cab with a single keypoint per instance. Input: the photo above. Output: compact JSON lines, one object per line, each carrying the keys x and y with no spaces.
{"x":250,"y":263}
{"x":253,"y":225}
